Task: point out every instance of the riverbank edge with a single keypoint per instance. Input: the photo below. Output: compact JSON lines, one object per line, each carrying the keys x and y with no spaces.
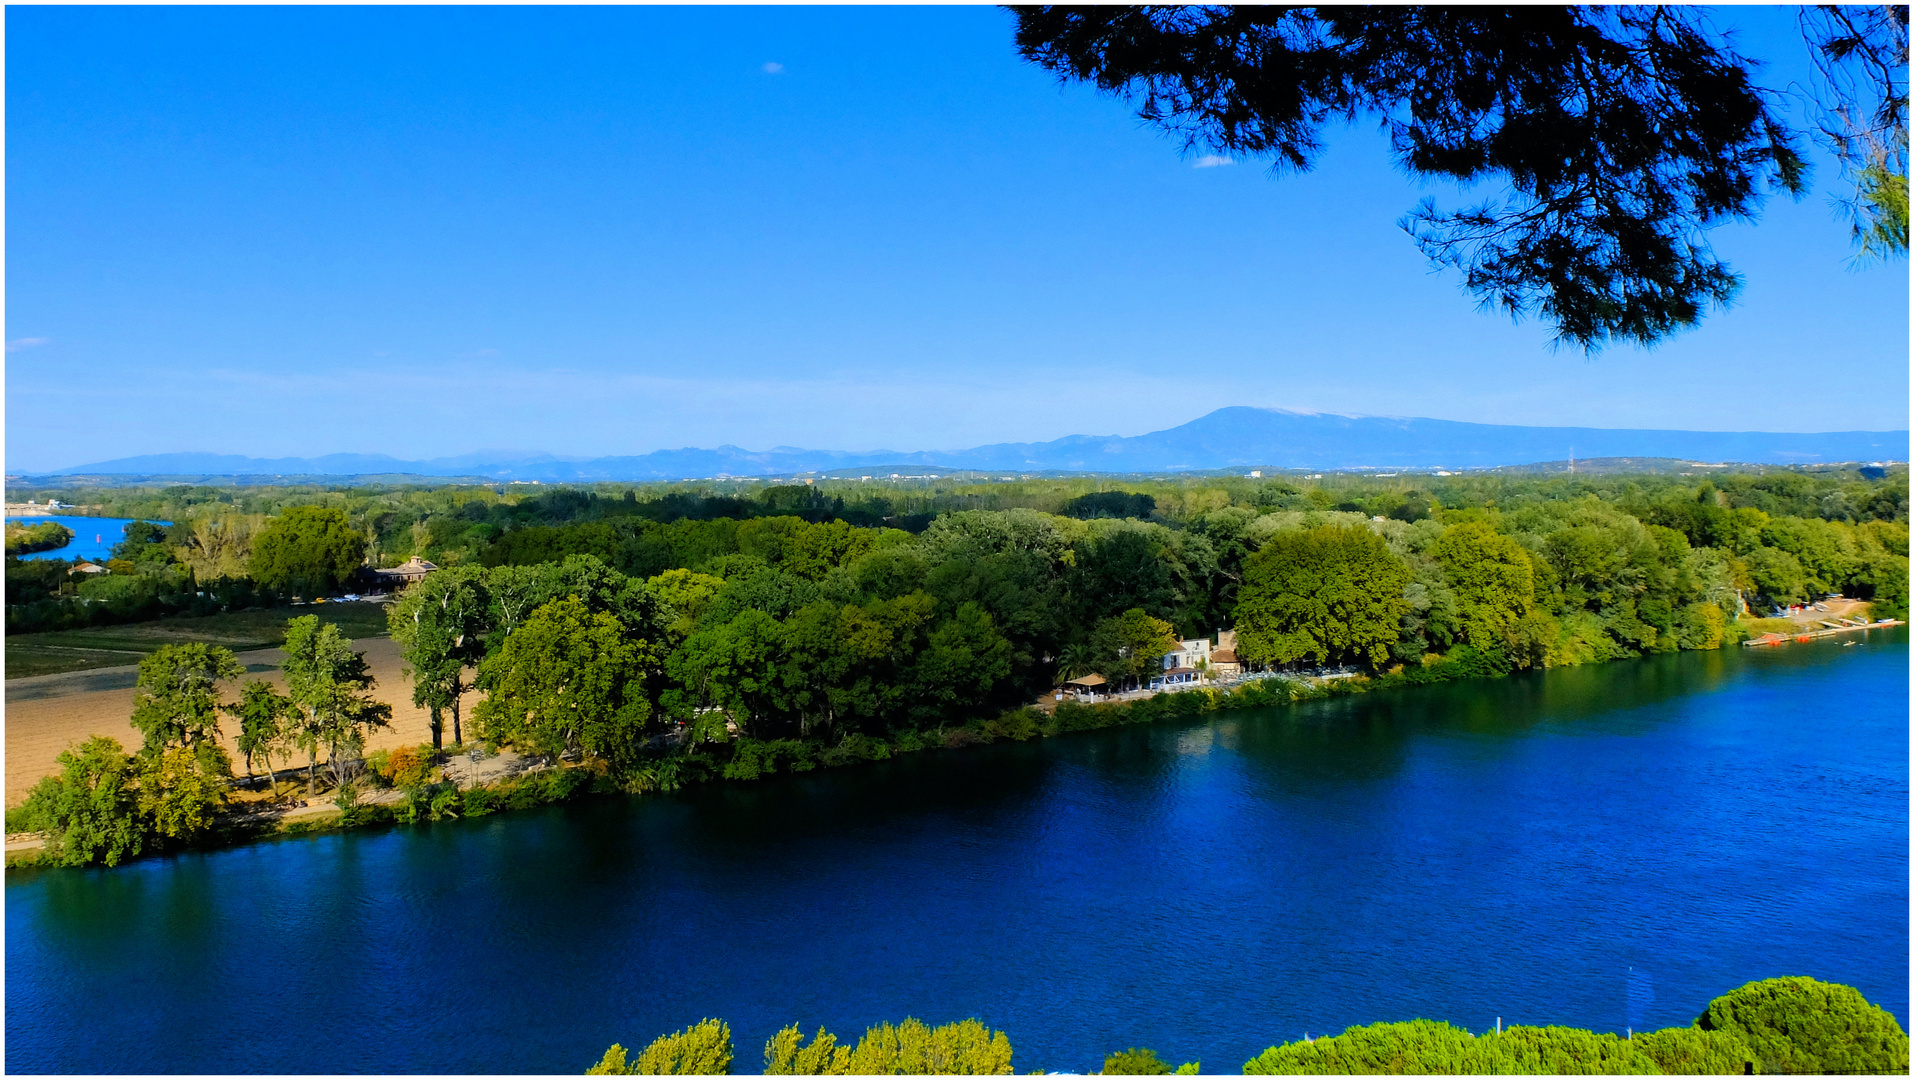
{"x":33,"y":539}
{"x":753,"y":759}
{"x":770,"y":757}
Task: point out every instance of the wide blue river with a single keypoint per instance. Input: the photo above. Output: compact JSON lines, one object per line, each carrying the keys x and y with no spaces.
{"x":1604,"y":847}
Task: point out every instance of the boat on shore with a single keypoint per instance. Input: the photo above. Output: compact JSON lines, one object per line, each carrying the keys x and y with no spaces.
{"x":1824,"y":632}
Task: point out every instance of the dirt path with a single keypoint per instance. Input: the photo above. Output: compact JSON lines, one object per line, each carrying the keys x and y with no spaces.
{"x":47,"y":713}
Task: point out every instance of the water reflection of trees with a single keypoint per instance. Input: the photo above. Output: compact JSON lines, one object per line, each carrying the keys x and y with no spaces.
{"x":1369,"y":736}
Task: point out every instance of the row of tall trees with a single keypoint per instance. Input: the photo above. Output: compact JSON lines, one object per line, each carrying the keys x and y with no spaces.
{"x":1577,"y":583}
{"x":826,"y":630}
{"x":105,"y":805}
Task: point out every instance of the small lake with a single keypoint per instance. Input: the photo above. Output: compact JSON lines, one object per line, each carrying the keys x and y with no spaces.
{"x":93,"y":537}
{"x":1604,"y":847}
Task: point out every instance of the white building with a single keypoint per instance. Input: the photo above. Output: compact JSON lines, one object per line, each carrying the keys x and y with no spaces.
{"x":1188,"y":654}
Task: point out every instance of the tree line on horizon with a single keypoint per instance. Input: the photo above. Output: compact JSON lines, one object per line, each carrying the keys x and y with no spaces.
{"x":206,"y":562}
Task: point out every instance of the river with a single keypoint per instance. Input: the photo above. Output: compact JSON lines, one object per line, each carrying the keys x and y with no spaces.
{"x":93,"y":537}
{"x":1604,"y":847}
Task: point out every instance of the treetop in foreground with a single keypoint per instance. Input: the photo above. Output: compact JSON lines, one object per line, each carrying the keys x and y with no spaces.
{"x":1776,"y":1025}
{"x":1619,"y":134}
{"x":1803,"y":1025}
{"x":912,"y":1048}
{"x":1786,"y":1025}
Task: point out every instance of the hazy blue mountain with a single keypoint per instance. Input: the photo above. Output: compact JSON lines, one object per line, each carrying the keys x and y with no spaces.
{"x":1227,"y":438}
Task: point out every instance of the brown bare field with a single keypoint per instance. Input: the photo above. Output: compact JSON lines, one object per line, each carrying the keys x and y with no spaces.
{"x":46,"y":715}
{"x":54,"y":651}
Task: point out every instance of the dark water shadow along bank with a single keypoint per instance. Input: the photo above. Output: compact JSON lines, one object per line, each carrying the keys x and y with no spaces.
{"x":1461,"y":852}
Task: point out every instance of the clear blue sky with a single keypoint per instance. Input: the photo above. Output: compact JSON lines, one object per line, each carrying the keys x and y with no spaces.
{"x":427,"y":231}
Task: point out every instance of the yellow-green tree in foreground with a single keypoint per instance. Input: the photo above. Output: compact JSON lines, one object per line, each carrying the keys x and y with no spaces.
{"x":703,"y":1049}
{"x":912,"y":1048}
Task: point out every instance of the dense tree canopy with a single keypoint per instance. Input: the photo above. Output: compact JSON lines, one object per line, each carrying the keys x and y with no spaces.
{"x":568,"y":680}
{"x":1329,"y":595}
{"x":176,"y":696}
{"x":308,"y":550}
{"x":89,"y":811}
{"x":1802,"y":1025}
{"x":746,"y":635}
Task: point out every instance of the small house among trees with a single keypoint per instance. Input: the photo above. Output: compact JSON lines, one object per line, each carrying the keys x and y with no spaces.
{"x":407,"y":572}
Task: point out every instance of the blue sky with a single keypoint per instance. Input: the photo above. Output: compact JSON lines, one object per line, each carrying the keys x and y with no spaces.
{"x":428,"y":231}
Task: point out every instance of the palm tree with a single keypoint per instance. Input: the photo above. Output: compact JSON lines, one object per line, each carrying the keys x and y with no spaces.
{"x":1076,"y":662}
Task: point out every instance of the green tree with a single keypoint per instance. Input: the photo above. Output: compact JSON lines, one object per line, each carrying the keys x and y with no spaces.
{"x":1328,"y":594}
{"x":1803,"y":1025}
{"x":439,"y":625}
{"x":1620,"y":134}
{"x":1428,"y":1047}
{"x":1135,"y":1062}
{"x":176,"y":694}
{"x":89,"y":811}
{"x":965,"y":1048}
{"x":786,"y":1054}
{"x":182,"y":791}
{"x":954,"y":674}
{"x":262,"y":714}
{"x":143,"y":542}
{"x":330,"y":686}
{"x":1693,"y":1052}
{"x":46,"y":536}
{"x":815,"y":551}
{"x":1493,"y":582}
{"x":1777,"y":575}
{"x":682,"y":597}
{"x":307,"y":550}
{"x":567,"y":680}
{"x":513,"y":592}
{"x":1860,"y":54}
{"x":703,"y":1049}
{"x":1076,"y":661}
{"x":731,"y":669}
{"x":1132,"y":645}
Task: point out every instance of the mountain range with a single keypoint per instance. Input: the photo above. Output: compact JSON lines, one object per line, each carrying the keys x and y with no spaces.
{"x":1235,"y":437}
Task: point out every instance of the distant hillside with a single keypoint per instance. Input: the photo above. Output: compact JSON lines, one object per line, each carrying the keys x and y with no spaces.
{"x":1227,"y":438}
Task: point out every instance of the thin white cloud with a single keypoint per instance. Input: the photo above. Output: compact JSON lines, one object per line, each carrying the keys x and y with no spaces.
{"x":18,"y":344}
{"x":773,"y":68}
{"x":1210,"y":161}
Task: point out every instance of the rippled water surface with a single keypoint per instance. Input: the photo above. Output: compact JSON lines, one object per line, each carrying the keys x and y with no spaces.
{"x":1509,"y":848}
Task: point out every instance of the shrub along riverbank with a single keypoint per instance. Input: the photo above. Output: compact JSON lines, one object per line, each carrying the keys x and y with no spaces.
{"x":1787,"y":1025}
